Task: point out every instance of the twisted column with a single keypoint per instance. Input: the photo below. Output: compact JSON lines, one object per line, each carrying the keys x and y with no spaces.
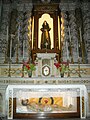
{"x":86,"y":27}
{"x":19,"y":36}
{"x":3,"y":34}
{"x":29,"y":35}
{"x":74,"y":37}
{"x":64,"y":35}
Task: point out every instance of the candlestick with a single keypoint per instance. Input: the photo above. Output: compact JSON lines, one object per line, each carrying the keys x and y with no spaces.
{"x":9,"y":69}
{"x":67,"y":51}
{"x":69,"y":33}
{"x":79,"y":68}
{"x":17,"y":53}
{"x":6,"y":46}
{"x":68,"y":68}
{"x":23,"y":69}
{"x":18,"y":32}
{"x":23,"y":49}
{"x":77,"y":49}
{"x":80,"y":34}
{"x":11,"y":48}
{"x":82,"y":46}
{"x":7,"y":35}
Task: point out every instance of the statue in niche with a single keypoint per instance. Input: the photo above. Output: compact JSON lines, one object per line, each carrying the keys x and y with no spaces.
{"x":45,"y":37}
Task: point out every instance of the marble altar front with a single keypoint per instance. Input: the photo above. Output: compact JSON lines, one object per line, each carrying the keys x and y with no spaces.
{"x":47,"y":99}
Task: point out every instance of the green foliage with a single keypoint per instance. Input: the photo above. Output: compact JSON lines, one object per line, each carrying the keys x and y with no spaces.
{"x":29,"y":67}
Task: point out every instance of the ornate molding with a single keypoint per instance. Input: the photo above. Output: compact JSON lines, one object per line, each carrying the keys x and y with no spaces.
{"x":10,"y":81}
{"x":46,"y":8}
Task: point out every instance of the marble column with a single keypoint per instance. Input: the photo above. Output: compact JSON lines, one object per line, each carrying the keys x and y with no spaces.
{"x":1,"y":6}
{"x":29,"y":42}
{"x":64,"y":34}
{"x":74,"y":36}
{"x":86,"y":27}
{"x":3,"y":26}
{"x":20,"y":37}
{"x":25,"y":36}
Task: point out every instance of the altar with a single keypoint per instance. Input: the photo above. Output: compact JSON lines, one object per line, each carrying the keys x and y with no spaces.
{"x":44,"y":59}
{"x":46,"y":101}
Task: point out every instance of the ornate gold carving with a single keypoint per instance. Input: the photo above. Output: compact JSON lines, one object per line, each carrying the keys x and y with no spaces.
{"x":83,"y":108}
{"x":45,"y":8}
{"x":10,"y":107}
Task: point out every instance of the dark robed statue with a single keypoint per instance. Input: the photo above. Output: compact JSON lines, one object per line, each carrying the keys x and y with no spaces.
{"x":45,"y":37}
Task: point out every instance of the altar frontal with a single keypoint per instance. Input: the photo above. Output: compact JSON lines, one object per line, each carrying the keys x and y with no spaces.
{"x":51,"y":100}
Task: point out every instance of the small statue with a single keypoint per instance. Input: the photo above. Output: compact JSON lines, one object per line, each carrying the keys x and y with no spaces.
{"x":45,"y":37}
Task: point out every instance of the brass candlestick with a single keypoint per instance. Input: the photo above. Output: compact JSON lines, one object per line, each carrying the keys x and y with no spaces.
{"x":9,"y":70}
{"x":71,"y":53}
{"x":17,"y":54}
{"x":71,"y":60}
{"x":5,"y":61}
{"x":81,"y":44}
{"x":23,"y":69}
{"x":79,"y":68}
{"x":82,"y":48}
{"x":68,"y":69}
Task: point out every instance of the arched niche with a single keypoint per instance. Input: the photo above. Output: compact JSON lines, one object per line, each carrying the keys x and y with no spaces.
{"x":49,"y":12}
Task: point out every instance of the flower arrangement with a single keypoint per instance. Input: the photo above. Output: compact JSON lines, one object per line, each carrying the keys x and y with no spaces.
{"x":29,"y":67}
{"x":63,"y":67}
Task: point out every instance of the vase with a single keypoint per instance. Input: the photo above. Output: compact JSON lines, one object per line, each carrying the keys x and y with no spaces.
{"x":30,"y":74}
{"x":62,"y":74}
